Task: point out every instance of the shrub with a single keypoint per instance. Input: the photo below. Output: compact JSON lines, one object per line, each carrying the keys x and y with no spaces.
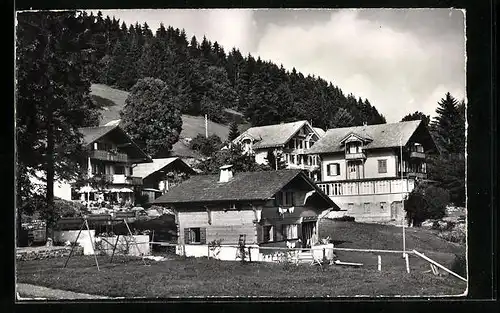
{"x":204,"y":145}
{"x":426,"y":202}
{"x":345,"y":218}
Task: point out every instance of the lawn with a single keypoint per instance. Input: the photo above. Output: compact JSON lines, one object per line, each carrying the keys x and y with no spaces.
{"x":202,"y":277}
{"x":185,"y":277}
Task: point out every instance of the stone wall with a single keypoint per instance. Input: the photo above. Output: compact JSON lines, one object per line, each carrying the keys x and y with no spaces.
{"x":38,"y":253}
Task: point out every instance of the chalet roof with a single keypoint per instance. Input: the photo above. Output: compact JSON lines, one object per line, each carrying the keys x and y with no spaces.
{"x":270,"y":136}
{"x":145,"y":169}
{"x":91,"y":134}
{"x":383,"y":135}
{"x":246,"y":186}
{"x":319,"y":131}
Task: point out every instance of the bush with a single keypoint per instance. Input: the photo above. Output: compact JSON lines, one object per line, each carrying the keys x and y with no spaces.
{"x":426,"y":202}
{"x":460,"y":265}
{"x":204,"y":145}
{"x":345,"y":218}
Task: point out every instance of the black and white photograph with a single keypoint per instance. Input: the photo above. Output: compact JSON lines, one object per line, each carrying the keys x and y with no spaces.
{"x":269,"y":153}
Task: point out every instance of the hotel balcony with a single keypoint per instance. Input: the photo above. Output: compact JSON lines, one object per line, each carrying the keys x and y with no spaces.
{"x":121,"y":179}
{"x":417,"y":155}
{"x":109,"y":156}
{"x":355,"y":156}
{"x":366,"y":187}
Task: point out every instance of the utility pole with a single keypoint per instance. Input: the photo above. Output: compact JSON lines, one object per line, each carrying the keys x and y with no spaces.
{"x":206,"y":126}
{"x":402,"y":197}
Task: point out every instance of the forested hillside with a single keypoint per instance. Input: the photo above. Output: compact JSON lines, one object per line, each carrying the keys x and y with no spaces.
{"x":209,"y":79}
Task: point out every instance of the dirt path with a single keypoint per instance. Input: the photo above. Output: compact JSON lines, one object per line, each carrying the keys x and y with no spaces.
{"x":33,"y":292}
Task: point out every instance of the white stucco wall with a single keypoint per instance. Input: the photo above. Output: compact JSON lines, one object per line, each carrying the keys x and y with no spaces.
{"x":329,"y":159}
{"x":224,"y":253}
{"x":260,"y":157}
{"x":84,"y":239}
{"x":62,"y":189}
{"x":371,"y":163}
{"x":142,"y":247}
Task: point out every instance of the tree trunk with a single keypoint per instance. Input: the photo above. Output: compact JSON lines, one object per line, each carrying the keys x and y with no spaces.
{"x":50,"y":168}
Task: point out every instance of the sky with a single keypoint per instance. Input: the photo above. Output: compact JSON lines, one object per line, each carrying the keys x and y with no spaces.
{"x":401,"y":60}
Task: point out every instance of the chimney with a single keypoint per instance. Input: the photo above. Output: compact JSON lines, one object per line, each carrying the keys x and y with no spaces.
{"x":226,"y":173}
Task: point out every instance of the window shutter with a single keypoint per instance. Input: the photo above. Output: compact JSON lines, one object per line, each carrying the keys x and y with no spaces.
{"x":187,"y":236}
{"x":260,"y":233}
{"x":203,"y":235}
{"x":338,"y":169}
{"x":328,"y":170}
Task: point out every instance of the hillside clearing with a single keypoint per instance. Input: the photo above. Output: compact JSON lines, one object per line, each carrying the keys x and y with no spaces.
{"x":191,"y":125}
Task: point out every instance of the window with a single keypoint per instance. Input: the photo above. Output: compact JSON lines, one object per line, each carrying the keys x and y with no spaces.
{"x":119,"y":169}
{"x":350,"y":207}
{"x":195,"y":235}
{"x":292,"y":159}
{"x":382,"y":166}
{"x":268,"y":233}
{"x":284,"y":198}
{"x":98,"y":168}
{"x":382,"y":206}
{"x":333,"y":169}
{"x":353,"y":148}
{"x":74,"y":194}
{"x":366,"y":208}
{"x":300,"y":144}
{"x":299,"y":159}
{"x":289,"y":231}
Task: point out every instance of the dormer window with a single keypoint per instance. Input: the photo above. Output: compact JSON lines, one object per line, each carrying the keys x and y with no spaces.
{"x":353,"y":147}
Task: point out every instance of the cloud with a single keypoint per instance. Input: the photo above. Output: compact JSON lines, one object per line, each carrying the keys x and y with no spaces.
{"x":397,"y":70}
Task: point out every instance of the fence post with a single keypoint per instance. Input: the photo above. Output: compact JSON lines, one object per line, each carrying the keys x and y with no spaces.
{"x":407,"y":263}
{"x":379,"y":263}
{"x":324,"y":254}
{"x":249,"y":254}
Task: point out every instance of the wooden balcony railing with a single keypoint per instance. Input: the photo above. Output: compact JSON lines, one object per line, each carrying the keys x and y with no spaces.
{"x":417,"y":155}
{"x":108,"y":156}
{"x":366,"y":187}
{"x":355,"y":156}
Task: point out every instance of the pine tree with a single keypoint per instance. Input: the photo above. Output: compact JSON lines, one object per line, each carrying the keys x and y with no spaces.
{"x":448,"y":134}
{"x":53,"y":100}
{"x":415,"y":116}
{"x":234,"y":132}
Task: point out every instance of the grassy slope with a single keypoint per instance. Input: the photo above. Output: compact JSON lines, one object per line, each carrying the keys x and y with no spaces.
{"x":201,"y":277}
{"x":191,"y":125}
{"x":388,"y":237}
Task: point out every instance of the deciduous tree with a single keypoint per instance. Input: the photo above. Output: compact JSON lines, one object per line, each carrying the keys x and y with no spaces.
{"x":152,"y":116}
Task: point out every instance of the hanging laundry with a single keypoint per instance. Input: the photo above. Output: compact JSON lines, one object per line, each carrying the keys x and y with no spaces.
{"x":291,"y":209}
